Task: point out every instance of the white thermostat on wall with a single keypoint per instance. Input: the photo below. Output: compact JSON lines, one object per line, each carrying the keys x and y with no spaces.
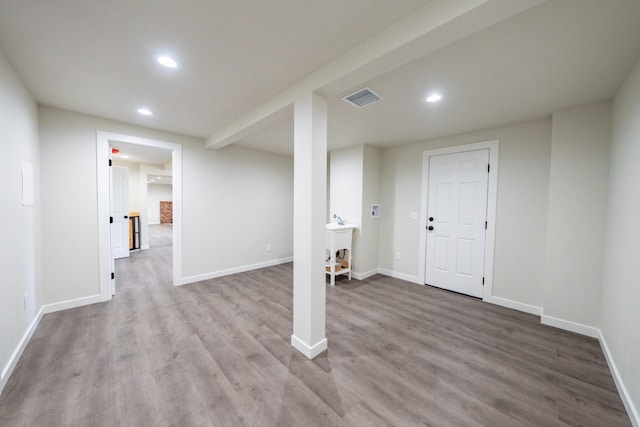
{"x":375,"y":211}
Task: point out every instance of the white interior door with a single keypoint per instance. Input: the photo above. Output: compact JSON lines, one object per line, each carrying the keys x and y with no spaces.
{"x":456,"y":215}
{"x":119,"y":212}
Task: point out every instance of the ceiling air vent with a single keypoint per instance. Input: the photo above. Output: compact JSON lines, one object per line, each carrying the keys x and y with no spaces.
{"x":362,"y":98}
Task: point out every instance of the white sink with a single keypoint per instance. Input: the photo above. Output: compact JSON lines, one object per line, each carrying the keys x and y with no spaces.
{"x":334,"y":227}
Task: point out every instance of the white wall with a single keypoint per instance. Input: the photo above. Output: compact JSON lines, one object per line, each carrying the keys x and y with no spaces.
{"x":20,"y":242}
{"x":575,"y":222}
{"x":229,"y":196}
{"x":354,"y":183}
{"x":345,"y":196}
{"x":68,"y":157}
{"x":523,"y":182}
{"x":620,"y":309}
{"x":236,"y":202}
{"x":366,"y":255}
{"x":345,"y":183}
{"x":157,"y":193}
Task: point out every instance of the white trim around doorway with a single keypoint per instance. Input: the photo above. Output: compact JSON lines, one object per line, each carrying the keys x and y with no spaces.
{"x":102,"y":161}
{"x":492,"y":198}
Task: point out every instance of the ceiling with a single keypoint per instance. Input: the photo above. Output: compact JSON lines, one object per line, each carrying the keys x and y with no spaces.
{"x":130,"y":154}
{"x":160,"y":180}
{"x":97,"y":57}
{"x":554,"y":56}
{"x":136,"y":153}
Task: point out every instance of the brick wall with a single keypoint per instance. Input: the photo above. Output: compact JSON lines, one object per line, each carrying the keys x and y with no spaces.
{"x":166,"y":212}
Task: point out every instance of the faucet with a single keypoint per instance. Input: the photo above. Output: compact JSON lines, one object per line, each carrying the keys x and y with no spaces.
{"x":339,"y":220}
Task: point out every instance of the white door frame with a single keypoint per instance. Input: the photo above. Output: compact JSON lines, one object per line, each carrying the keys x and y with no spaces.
{"x":492,"y":198}
{"x":104,"y":243}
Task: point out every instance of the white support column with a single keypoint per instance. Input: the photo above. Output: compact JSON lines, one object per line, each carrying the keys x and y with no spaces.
{"x":309,"y":211}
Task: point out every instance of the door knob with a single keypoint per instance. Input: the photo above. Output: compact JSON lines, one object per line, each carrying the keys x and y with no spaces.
{"x":430,"y":228}
{"x":126,"y":217}
{"x":430,"y":218}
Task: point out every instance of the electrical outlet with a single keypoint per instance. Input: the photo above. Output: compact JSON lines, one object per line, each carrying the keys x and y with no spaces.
{"x":26,"y":297}
{"x":397,"y":256}
{"x":268,"y":247}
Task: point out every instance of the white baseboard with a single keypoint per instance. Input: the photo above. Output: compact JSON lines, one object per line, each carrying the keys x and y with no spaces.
{"x":235,"y":270}
{"x":401,"y":276}
{"x":15,"y":356}
{"x":365,"y":275}
{"x":514,"y":305}
{"x":567,"y":325}
{"x":309,"y":351}
{"x":144,"y":247}
{"x":73,"y":303}
{"x":632,"y":411}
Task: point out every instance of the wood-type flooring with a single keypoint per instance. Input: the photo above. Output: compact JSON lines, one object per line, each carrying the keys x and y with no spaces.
{"x":218,"y":353}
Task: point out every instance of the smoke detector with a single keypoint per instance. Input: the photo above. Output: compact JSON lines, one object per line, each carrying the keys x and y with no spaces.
{"x":363,"y":97}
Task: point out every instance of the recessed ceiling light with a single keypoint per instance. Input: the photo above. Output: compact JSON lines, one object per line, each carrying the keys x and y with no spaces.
{"x":145,"y":112}
{"x":167,"y":61}
{"x":159,"y":177}
{"x":124,"y":156}
{"x":434,"y":97}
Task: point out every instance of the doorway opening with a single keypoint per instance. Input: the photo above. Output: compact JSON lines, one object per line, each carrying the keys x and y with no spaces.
{"x":458,"y":216}
{"x":155,"y":172}
{"x":148,"y":214}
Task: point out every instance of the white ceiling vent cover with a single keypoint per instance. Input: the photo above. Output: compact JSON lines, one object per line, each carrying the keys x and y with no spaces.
{"x":363,"y":97}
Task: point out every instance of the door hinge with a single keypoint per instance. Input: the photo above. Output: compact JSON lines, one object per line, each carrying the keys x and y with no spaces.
{"x":110,"y":220}
{"x":110,"y":162}
{"x":113,"y":276}
{"x":488,"y":168}
{"x":485,"y":225}
{"x":483,"y":281}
